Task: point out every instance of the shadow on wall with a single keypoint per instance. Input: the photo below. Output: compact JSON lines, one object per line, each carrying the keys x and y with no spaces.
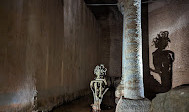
{"x":163,"y":63}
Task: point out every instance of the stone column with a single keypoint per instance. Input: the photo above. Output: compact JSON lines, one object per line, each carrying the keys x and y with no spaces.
{"x":132,"y":67}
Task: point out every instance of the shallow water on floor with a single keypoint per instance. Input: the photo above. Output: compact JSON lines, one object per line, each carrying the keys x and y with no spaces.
{"x":83,"y":104}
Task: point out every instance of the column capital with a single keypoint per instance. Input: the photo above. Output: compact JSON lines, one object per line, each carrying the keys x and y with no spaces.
{"x":123,"y":5}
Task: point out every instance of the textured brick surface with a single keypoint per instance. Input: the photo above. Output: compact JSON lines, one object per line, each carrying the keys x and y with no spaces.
{"x":111,"y":39}
{"x":52,"y":46}
{"x":173,"y":17}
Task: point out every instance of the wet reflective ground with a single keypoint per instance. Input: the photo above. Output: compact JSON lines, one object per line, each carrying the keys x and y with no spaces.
{"x":83,"y":104}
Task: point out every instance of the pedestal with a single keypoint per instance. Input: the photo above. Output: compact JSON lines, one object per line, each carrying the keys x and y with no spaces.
{"x":129,"y":105}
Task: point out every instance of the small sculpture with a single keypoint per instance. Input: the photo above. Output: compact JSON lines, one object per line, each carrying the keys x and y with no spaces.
{"x":98,"y":86}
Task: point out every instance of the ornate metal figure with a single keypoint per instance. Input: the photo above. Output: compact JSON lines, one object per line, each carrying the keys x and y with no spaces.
{"x":98,"y":86}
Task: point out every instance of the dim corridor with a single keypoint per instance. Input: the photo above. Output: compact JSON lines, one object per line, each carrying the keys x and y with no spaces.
{"x":83,"y":104}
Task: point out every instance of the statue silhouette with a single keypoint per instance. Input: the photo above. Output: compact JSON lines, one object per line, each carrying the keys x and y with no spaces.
{"x":163,"y":61}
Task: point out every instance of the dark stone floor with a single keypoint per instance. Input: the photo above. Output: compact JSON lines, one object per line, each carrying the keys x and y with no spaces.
{"x":83,"y":104}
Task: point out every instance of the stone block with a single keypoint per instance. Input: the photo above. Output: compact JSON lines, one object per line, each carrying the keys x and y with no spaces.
{"x":176,"y":100}
{"x":129,"y":105}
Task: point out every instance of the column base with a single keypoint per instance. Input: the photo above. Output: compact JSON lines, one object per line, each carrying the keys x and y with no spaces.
{"x":128,"y":105}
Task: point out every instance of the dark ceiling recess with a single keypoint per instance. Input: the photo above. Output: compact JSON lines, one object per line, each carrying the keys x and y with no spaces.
{"x":102,"y":11}
{"x":115,"y":1}
{"x":100,"y":1}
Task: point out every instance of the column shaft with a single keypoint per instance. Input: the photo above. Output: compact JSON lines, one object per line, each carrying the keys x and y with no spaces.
{"x":132,"y":67}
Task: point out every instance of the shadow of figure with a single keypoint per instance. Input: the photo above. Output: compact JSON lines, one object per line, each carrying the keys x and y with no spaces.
{"x":163,"y":62}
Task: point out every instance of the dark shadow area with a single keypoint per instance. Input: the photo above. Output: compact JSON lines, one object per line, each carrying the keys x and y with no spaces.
{"x":145,"y":54}
{"x":101,"y":12}
{"x":108,"y":102}
{"x":163,"y":61}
